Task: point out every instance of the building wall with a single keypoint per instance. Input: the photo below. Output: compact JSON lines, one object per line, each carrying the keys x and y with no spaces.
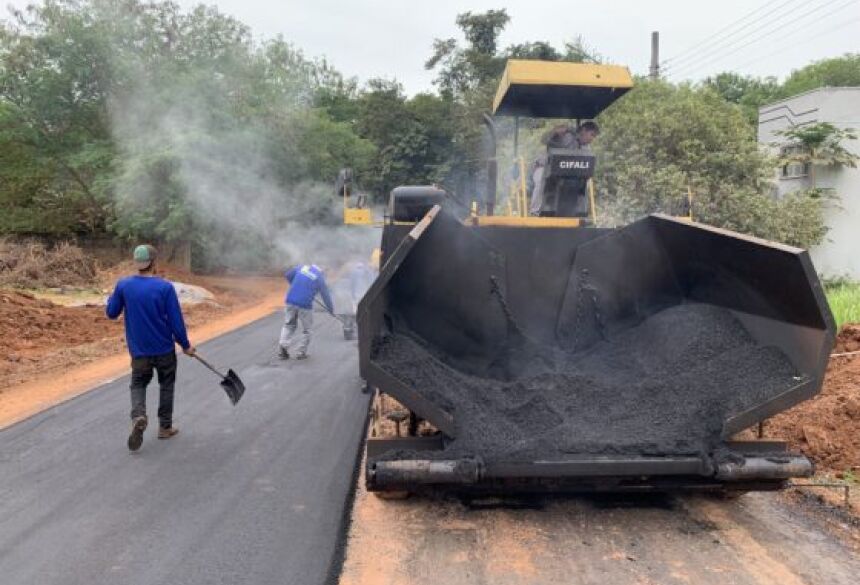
{"x":839,"y":254}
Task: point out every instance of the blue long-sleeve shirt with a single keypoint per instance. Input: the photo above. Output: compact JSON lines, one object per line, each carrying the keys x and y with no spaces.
{"x":306,"y":281}
{"x":153,"y":318}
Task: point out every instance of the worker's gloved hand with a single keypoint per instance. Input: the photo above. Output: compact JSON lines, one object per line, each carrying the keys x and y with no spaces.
{"x":190,"y":351}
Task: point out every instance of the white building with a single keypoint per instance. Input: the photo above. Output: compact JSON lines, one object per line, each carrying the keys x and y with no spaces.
{"x":839,"y":254}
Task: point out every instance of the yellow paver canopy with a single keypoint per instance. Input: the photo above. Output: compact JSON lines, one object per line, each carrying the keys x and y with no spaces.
{"x":554,"y":89}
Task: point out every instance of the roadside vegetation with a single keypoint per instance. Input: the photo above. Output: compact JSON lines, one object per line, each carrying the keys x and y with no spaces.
{"x":844,"y":300}
{"x":144,"y":120}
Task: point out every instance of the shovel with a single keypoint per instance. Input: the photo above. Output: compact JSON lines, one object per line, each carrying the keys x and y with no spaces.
{"x":324,"y":308}
{"x":233,"y":386}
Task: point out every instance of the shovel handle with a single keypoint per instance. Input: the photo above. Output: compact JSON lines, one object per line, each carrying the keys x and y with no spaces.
{"x":205,"y":363}
{"x":317,"y":301}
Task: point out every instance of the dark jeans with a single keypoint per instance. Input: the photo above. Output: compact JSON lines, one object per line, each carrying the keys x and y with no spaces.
{"x":141,"y":376}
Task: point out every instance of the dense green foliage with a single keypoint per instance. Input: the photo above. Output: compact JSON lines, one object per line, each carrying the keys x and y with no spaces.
{"x":822,"y":146}
{"x":147,"y":121}
{"x":753,"y":92}
{"x":142,"y":119}
{"x":662,"y":139}
{"x":844,"y":300}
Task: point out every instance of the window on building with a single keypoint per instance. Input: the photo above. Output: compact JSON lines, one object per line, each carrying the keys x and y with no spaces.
{"x":794,"y":170}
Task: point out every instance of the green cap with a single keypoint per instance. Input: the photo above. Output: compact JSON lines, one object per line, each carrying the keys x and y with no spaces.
{"x":144,"y":256}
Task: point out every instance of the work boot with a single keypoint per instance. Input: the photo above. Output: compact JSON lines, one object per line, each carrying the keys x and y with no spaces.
{"x":135,"y":438}
{"x":302,"y":356}
{"x":167,"y":432}
{"x":283,"y":353}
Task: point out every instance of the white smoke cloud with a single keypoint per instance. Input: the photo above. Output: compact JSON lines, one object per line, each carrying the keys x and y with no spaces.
{"x":231,"y":179}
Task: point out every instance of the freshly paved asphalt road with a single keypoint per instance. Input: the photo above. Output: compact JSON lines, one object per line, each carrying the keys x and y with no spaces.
{"x":248,"y":494}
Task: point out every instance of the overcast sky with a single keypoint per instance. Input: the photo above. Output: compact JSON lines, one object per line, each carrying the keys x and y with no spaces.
{"x":393,"y":38}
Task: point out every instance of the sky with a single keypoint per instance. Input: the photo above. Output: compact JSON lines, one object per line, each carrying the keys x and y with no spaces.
{"x":393,"y":38}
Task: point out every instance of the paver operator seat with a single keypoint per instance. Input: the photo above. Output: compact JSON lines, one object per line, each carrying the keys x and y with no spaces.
{"x":565,"y":183}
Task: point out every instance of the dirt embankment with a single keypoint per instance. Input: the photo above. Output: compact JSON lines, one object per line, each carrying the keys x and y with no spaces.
{"x":827,"y":428}
{"x":38,"y":337}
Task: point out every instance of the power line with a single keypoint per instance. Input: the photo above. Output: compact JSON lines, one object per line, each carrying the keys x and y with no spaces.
{"x":774,"y":24}
{"x":708,"y":61}
{"x":695,"y":49}
{"x":707,"y":40}
{"x":802,"y":42}
{"x":784,"y":11}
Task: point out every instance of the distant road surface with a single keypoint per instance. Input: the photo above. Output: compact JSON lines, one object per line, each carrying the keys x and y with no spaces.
{"x":248,"y":494}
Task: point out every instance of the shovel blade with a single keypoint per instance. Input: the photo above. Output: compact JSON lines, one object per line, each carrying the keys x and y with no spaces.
{"x":233,"y":386}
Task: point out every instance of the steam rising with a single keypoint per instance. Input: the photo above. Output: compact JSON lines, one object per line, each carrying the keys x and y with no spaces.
{"x":241,"y":181}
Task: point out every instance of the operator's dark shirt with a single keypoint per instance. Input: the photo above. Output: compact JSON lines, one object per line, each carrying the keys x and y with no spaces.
{"x":567,"y":140}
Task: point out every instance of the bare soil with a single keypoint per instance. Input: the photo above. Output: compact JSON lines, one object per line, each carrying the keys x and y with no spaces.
{"x":759,"y":539}
{"x":39,"y":337}
{"x":827,"y":428}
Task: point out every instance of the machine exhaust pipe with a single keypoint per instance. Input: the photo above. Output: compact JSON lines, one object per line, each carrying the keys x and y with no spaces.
{"x":411,"y":472}
{"x":492,"y":166}
{"x":753,"y":468}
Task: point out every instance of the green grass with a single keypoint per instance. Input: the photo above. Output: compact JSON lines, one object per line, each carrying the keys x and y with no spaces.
{"x":844,"y":299}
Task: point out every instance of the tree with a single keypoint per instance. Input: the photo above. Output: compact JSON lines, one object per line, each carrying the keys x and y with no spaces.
{"x":841,"y":71}
{"x":750,"y":93}
{"x":661,"y":139}
{"x":820,"y":145}
{"x":148,"y":121}
{"x":465,"y":69}
{"x":413,"y":137}
{"x":54,"y":82}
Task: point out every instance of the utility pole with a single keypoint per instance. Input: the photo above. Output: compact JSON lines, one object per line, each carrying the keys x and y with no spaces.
{"x":654,"y":72}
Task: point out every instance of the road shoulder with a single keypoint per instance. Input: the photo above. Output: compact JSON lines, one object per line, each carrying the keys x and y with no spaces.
{"x":45,"y":391}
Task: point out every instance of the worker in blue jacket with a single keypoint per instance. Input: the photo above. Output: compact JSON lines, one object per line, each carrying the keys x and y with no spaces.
{"x":306,"y":280}
{"x":153,"y":324}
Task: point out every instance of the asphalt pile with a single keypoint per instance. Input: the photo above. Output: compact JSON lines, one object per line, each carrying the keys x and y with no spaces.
{"x":663,"y":387}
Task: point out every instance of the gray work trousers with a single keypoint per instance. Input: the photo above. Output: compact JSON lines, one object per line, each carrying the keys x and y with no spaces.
{"x":292,"y":318}
{"x":537,"y":192}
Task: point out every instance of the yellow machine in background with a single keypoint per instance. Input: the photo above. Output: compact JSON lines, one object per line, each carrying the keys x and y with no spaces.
{"x":355,"y":216}
{"x":357,"y":213}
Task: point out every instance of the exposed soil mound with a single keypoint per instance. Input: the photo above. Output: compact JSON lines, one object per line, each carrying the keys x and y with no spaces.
{"x":848,"y":339}
{"x":662,"y":387}
{"x":827,"y":428}
{"x":31,"y":329}
{"x":26,"y":321}
{"x":34,"y":265}
{"x":37,"y":336}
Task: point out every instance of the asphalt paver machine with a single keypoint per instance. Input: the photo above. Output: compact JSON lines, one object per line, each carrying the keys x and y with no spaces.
{"x":551,"y":355}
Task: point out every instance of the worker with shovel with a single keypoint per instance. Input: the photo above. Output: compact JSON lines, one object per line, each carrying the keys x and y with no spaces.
{"x":153,"y":324}
{"x":306,"y":280}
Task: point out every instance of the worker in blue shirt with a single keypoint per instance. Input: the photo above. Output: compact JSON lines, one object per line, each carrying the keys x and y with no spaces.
{"x":153,"y":324}
{"x":306,"y":280}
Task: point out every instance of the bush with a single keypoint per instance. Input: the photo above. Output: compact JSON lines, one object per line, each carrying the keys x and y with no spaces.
{"x":31,"y":264}
{"x":844,"y":300}
{"x":661,"y":139}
